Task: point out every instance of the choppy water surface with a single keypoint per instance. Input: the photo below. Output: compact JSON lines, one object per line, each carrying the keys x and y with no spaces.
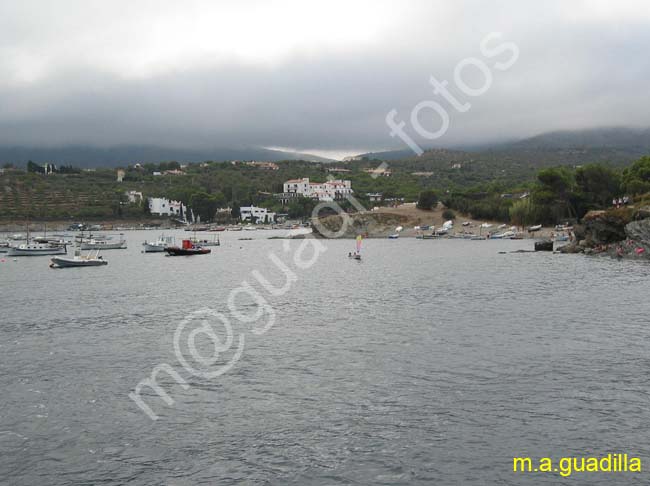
{"x":429,"y":362}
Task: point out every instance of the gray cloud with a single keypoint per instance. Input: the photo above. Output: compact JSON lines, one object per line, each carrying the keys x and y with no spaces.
{"x":99,"y":75}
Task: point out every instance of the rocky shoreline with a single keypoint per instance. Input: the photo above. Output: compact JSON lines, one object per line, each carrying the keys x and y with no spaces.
{"x":618,"y":233}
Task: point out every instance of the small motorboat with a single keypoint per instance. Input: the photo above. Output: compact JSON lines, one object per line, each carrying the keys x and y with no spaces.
{"x":78,"y":260}
{"x":393,"y":236}
{"x":187,"y":249}
{"x":532,"y":229}
{"x":157,"y":246}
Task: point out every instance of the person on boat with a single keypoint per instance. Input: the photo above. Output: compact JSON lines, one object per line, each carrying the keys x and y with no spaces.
{"x":349,"y":254}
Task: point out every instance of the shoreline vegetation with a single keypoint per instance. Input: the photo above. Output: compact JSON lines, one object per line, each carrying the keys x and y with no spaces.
{"x":562,"y":195}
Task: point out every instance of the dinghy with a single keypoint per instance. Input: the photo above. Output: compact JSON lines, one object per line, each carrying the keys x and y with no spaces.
{"x":78,"y":260}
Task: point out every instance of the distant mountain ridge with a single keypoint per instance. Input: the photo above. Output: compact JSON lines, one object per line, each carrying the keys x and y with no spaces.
{"x":613,"y":144}
{"x":607,"y":137}
{"x":519,"y":161}
{"x":123,"y":155}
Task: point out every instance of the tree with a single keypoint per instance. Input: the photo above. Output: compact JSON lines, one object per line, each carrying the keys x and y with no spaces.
{"x":553,"y":195}
{"x":448,"y":214}
{"x":427,"y":200}
{"x":32,"y":167}
{"x":234,"y":211}
{"x":301,"y":207}
{"x":596,"y":186}
{"x":145,"y":207}
{"x":636,"y":178}
{"x":204,"y":205}
{"x":522,"y":212}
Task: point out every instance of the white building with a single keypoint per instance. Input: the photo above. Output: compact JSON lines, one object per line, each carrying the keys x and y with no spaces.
{"x":323,"y":191}
{"x":259,"y":215}
{"x":165,"y":207}
{"x":134,"y":197}
{"x":297,"y":186}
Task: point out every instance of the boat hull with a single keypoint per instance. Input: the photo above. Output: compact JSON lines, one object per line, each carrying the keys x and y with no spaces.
{"x":76,"y":262}
{"x":177,"y":251}
{"x":17,"y":251}
{"x":152,"y":248}
{"x":104,"y":246}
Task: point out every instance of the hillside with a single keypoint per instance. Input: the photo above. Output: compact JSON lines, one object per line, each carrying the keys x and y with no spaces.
{"x":615,"y":144}
{"x":120,"y":156}
{"x":517,"y":162}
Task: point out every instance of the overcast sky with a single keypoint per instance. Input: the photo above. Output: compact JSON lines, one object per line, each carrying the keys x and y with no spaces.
{"x":312,"y":75}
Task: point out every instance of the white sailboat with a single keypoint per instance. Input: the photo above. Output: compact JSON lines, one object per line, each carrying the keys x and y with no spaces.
{"x":36,"y":249}
{"x":33,"y":248}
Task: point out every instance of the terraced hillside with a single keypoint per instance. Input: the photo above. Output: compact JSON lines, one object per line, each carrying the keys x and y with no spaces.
{"x":36,"y":196}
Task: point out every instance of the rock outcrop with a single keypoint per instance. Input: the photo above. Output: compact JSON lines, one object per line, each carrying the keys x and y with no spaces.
{"x":639,"y":231}
{"x":605,"y":227}
{"x":620,"y":233}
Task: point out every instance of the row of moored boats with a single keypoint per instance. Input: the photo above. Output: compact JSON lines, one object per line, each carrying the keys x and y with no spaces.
{"x":57,"y":248}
